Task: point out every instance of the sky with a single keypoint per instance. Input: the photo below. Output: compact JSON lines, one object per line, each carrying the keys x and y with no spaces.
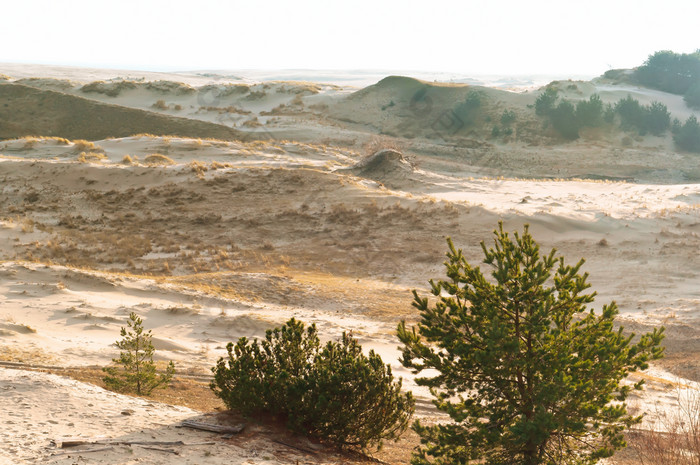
{"x":471,"y":37}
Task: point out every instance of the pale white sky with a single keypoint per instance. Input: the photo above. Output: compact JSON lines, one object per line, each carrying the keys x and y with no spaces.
{"x":474,"y":37}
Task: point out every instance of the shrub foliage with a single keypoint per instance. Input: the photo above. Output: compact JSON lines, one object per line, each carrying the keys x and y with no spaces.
{"x":687,"y":136}
{"x":334,"y":391}
{"x":527,"y":373}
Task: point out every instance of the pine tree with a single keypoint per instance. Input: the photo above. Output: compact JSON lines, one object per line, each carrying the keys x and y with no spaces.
{"x":135,"y":370}
{"x":527,"y":373}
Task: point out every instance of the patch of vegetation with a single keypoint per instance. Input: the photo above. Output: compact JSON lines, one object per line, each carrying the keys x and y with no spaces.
{"x":91,"y":157}
{"x":334,"y":392}
{"x":507,"y":117}
{"x":170,"y":87}
{"x":82,"y":145}
{"x":110,"y":89}
{"x":160,"y":105}
{"x":468,"y":110}
{"x":527,"y":373}
{"x":135,"y":370}
{"x":676,"y":73}
{"x":567,"y":118}
{"x":653,"y":118}
{"x":687,"y":136}
{"x":158,"y":159}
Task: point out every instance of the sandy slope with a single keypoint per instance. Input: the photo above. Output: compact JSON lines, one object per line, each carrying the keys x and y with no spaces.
{"x":41,"y":410}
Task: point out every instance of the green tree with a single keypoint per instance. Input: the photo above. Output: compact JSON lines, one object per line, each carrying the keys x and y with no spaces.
{"x":545,"y":102}
{"x":564,"y":120}
{"x":135,"y":370}
{"x":632,"y":114}
{"x":688,"y":135}
{"x":334,"y":392}
{"x":508,"y":117}
{"x":468,"y":110}
{"x":527,"y":373}
{"x":609,"y":114}
{"x":692,"y":96}
{"x":658,"y":119}
{"x":670,"y":72}
{"x":590,"y":112}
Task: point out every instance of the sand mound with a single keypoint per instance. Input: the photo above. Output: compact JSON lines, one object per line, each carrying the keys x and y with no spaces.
{"x":386,"y":166}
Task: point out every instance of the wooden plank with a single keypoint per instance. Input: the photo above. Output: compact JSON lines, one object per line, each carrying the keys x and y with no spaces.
{"x":221,"y":429}
{"x":82,"y":451}
{"x":72,"y":442}
{"x":78,"y":441}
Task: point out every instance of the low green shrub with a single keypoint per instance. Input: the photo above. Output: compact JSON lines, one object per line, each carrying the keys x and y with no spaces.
{"x":333,"y":392}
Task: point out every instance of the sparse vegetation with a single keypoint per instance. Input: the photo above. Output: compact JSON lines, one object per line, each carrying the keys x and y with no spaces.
{"x":91,"y":157}
{"x":674,"y":439}
{"x":110,"y":89}
{"x":527,"y":373}
{"x":468,"y":110}
{"x":135,"y":369}
{"x":81,"y":145}
{"x":334,"y":392}
{"x":158,"y":159}
{"x":160,"y":105}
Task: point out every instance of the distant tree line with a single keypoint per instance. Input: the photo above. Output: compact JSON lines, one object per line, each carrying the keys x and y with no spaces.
{"x":676,"y":73}
{"x":567,"y":118}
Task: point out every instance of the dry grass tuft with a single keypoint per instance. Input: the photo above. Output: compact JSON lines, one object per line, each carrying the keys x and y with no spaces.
{"x":675,"y":438}
{"x":199,"y":168}
{"x":127,"y":160}
{"x":160,"y":105}
{"x":91,"y":157}
{"x":379,"y":143}
{"x":252,"y":123}
{"x":82,"y":145}
{"x":158,"y":159}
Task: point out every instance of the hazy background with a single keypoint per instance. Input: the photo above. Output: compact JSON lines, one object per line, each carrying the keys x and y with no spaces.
{"x":472,"y":37}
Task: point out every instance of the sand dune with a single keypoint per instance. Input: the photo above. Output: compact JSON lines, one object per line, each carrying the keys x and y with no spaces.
{"x":221,"y":226}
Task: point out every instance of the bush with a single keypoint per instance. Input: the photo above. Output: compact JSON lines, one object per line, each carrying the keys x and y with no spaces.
{"x":670,"y":72}
{"x":508,"y":117}
{"x":688,"y":136}
{"x":545,"y":102}
{"x":564,"y":120}
{"x":692,"y":96}
{"x":590,"y":112}
{"x":469,"y":108}
{"x":658,"y":119}
{"x":632,"y":114}
{"x":135,"y":370}
{"x":527,"y":373}
{"x":333,"y":392}
{"x":609,"y":114}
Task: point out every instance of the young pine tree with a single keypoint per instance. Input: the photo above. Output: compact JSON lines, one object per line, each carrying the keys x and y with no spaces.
{"x":528,"y":373}
{"x":135,"y":370}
